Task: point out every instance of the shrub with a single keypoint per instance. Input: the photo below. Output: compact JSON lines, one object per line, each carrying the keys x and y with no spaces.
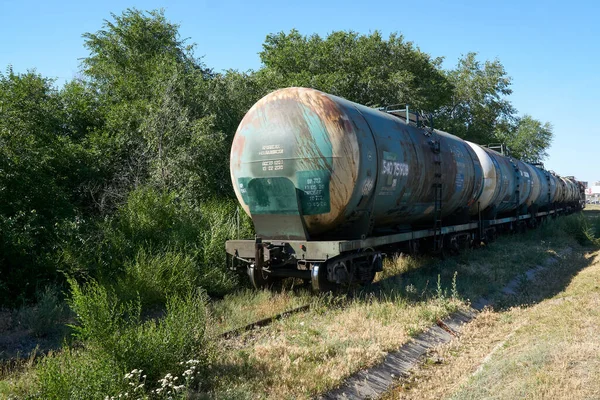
{"x":159,"y":242}
{"x":77,"y":374}
{"x":157,"y":346}
{"x":577,"y":226}
{"x":99,"y":313}
{"x":222,"y":221}
{"x":154,"y":277}
{"x":115,"y":328}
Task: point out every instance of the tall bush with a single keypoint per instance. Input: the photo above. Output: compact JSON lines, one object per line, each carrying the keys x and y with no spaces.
{"x":115,"y":328}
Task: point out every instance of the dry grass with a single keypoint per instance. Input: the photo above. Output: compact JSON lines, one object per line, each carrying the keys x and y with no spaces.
{"x":546,"y":348}
{"x":449,"y":366}
{"x":309,"y":353}
{"x":554,"y":355}
{"x":247,"y":306}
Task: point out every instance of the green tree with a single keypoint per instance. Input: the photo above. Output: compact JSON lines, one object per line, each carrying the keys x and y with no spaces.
{"x":528,"y":139}
{"x":42,"y":170}
{"x":367,"y":69}
{"x":478,"y":105}
{"x":159,"y":128}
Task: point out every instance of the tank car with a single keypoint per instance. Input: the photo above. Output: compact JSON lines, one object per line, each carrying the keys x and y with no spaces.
{"x":329,"y":183}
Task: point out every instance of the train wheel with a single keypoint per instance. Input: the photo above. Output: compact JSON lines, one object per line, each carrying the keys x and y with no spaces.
{"x":375,"y":263}
{"x":260,"y":279}
{"x":318,"y":277}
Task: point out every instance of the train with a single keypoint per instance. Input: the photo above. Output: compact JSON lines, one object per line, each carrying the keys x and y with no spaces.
{"x":332,"y":186}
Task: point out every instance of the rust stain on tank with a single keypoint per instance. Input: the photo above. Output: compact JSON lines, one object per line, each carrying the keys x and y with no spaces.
{"x":344,"y":154}
{"x":285,"y":107}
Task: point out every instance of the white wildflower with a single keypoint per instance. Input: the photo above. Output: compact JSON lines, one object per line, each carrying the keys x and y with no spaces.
{"x":179,"y":388}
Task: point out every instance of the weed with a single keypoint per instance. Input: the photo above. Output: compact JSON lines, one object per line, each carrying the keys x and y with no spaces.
{"x":77,"y":374}
{"x":159,"y":243}
{"x":440,"y":293}
{"x":454,"y":292}
{"x":154,"y":277}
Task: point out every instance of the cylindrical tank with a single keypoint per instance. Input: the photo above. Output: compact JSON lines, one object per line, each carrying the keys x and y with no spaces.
{"x":510,"y":179}
{"x":561,"y":189}
{"x":492,"y":186}
{"x":345,"y":170}
{"x":543,"y":196}
{"x":576,"y":192}
{"x":572,"y":190}
{"x":335,"y":163}
{"x":524,"y":183}
{"x":552,"y":184}
{"x":535,"y":185}
{"x":566,"y":189}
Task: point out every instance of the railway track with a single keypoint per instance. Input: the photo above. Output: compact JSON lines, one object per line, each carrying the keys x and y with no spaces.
{"x":262,"y":322}
{"x":371,"y":289}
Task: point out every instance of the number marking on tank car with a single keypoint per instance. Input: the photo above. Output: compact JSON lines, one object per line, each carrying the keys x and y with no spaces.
{"x":270,"y":149}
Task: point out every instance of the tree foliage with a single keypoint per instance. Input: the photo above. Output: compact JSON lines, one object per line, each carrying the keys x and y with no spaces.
{"x":42,"y":167}
{"x":367,"y":69}
{"x":478,"y":104}
{"x":160,"y":127}
{"x":528,"y":139}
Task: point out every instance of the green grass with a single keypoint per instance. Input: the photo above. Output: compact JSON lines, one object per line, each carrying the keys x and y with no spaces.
{"x":155,"y":345}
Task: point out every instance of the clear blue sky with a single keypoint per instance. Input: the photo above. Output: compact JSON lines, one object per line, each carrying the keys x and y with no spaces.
{"x":551,"y":49}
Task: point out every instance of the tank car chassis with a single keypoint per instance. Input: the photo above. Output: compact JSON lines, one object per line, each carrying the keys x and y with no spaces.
{"x":328,"y":263}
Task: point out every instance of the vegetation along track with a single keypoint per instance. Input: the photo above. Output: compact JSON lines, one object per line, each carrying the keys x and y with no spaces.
{"x":376,"y":289}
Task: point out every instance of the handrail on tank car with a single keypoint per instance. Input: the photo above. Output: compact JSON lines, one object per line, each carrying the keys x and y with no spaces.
{"x":500,"y":148}
{"x":539,"y":165}
{"x":420,"y":119}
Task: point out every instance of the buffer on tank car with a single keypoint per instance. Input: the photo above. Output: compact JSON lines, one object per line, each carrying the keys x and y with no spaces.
{"x":329,"y":183}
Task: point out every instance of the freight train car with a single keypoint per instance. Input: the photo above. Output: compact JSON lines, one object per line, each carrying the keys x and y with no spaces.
{"x":331,"y":184}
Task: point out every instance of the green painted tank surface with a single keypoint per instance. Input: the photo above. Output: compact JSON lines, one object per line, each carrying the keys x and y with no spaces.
{"x":344,"y":170}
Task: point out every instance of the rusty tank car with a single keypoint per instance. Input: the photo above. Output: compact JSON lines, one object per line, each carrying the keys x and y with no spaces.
{"x":330,"y":183}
